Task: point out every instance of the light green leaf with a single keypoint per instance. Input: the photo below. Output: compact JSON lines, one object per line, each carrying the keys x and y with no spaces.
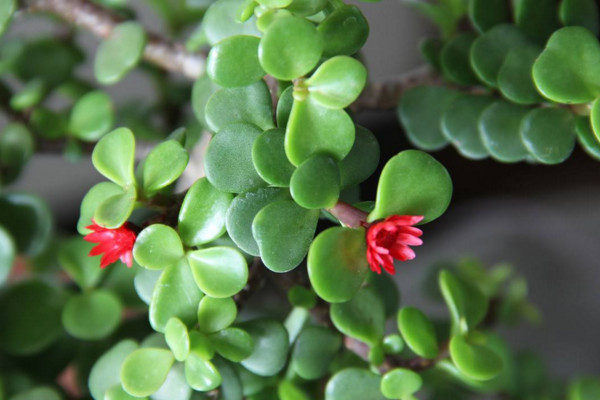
{"x":157,"y":247}
{"x":92,"y":116}
{"x":114,"y":155}
{"x":362,"y":318}
{"x":234,"y":61}
{"x":120,"y":53}
{"x":144,"y":371}
{"x":219,"y":271}
{"x":93,"y":315}
{"x":216,"y":314}
{"x":164,"y":165}
{"x":105,"y":372}
{"x":337,"y":82}
{"x":418,"y":332}
{"x":270,"y":347}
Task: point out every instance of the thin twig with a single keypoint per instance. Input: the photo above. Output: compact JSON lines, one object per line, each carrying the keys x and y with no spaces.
{"x":101,"y":22}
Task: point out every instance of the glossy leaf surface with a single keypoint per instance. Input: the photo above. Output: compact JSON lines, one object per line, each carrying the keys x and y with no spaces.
{"x":549,"y":134}
{"x":418,"y":332}
{"x":234,"y":61}
{"x":219,"y":271}
{"x":157,"y":247}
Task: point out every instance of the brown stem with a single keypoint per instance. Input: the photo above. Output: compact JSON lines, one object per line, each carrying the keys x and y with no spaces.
{"x":349,"y":215}
{"x":101,"y":22}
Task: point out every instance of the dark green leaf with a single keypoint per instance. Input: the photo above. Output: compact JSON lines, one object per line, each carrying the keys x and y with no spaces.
{"x":580,"y":13}
{"x":314,"y":350}
{"x":268,"y":156}
{"x":315,"y":183}
{"x":270,"y":347}
{"x":500,"y":129}
{"x":455,"y":59}
{"x":362,"y":318}
{"x":485,"y":14}
{"x":344,"y":31}
{"x":549,"y":134}
{"x":93,"y":315}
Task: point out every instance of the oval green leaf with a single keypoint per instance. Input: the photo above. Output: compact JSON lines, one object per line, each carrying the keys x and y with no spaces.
{"x":114,"y":155}
{"x":92,"y":116}
{"x":178,"y":339}
{"x":233,"y":344}
{"x":270,"y":347}
{"x":337,"y":82}
{"x":268,"y":156}
{"x":228,"y":160}
{"x":201,"y":374}
{"x":283,"y":231}
{"x":157,"y":247}
{"x":362,"y":318}
{"x":314,"y":350}
{"x":314,"y":129}
{"x":93,"y":315}
{"x":337,"y":264}
{"x":400,"y":382}
{"x":234,"y":61}
{"x":499,"y":126}
{"x":420,"y":111}
{"x":344,"y":31}
{"x":316,"y":182}
{"x":412,"y":183}
{"x":120,"y":53}
{"x":354,"y":384}
{"x":216,"y":314}
{"x":144,"y":371}
{"x":219,"y":271}
{"x":290,"y":48}
{"x":164,"y":165}
{"x":549,"y":134}
{"x":418,"y":332}
{"x":475,"y":361}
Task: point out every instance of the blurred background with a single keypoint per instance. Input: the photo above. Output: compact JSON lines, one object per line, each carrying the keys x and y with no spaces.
{"x":544,"y":220}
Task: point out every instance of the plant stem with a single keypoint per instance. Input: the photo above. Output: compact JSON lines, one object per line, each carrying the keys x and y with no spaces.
{"x":101,"y":22}
{"x":349,"y":215}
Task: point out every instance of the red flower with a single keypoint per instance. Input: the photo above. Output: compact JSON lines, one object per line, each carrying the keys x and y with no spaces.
{"x":390,"y":239}
{"x":114,"y":243}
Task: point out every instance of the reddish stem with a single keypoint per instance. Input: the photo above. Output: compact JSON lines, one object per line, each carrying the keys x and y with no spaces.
{"x":349,"y":215}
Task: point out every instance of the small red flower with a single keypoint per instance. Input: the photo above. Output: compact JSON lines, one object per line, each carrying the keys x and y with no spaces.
{"x":114,"y":243}
{"x":389,"y":239}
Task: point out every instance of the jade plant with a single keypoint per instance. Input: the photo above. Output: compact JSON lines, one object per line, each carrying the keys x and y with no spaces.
{"x":266,"y":273}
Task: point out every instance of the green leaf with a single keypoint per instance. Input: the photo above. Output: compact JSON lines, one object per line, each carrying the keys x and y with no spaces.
{"x":7,"y":254}
{"x":248,"y":104}
{"x":499,"y":127}
{"x":201,"y":345}
{"x":97,"y":195}
{"x":48,"y":123}
{"x":489,"y":51}
{"x":420,"y":112}
{"x":202,"y":213}
{"x":50,"y":59}
{"x":120,"y":53}
{"x":30,"y":95}
{"x":455,"y":61}
{"x":299,"y":296}
{"x":595,"y":117}
{"x":7,"y":8}
{"x":431,"y":49}
{"x":38,"y":393}
{"x":283,"y":231}
{"x":93,"y":315}
{"x":418,"y":332}
{"x":270,"y":347}
{"x":580,"y":13}
{"x":475,"y":360}
{"x":287,"y":390}
{"x":584,"y":389}
{"x":175,"y":295}
{"x":74,"y":260}
{"x":337,"y":82}
{"x":467,"y":305}
{"x":393,"y":344}
{"x":362,"y":318}
{"x":231,"y":387}
{"x":115,"y":210}
{"x":549,"y":134}
{"x":202,"y":90}
{"x":566,"y":71}
{"x":144,"y":282}
{"x":314,"y":350}
{"x":114,"y":155}
{"x":242,"y":212}
{"x":201,"y":374}
{"x":16,"y":148}
{"x":344,"y":31}
{"x":157,"y":247}
{"x":28,"y":220}
{"x":221,"y":21}
{"x":290,"y":48}
{"x":354,"y":384}
{"x":219,"y":271}
{"x":537,"y":18}
{"x":42,"y":304}
{"x":400,"y":382}
{"x":268,"y":156}
{"x":144,"y":371}
{"x":386,"y":288}
{"x":337,"y":264}
{"x":306,"y":8}
{"x":586,"y":137}
{"x":105,"y":372}
{"x":92,"y":116}
{"x":118,"y":393}
{"x":485,"y":14}
{"x":228,"y":160}
{"x":234,"y":61}
{"x":362,"y":160}
{"x":216,"y":314}
{"x":313,"y":129}
{"x":178,"y":339}
{"x":164,"y":165}
{"x":460,"y":123}
{"x":315,"y":183}
{"x":175,"y":386}
{"x":514,"y":78}
{"x":284,"y":107}
{"x":233,"y":344}
{"x":412,"y":183}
